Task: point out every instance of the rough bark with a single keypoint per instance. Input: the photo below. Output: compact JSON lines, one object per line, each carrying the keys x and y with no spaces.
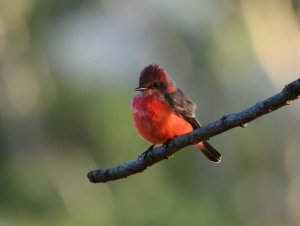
{"x":290,"y":93}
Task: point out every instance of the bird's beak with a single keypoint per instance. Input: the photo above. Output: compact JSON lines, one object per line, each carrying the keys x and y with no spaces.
{"x":141,"y":89}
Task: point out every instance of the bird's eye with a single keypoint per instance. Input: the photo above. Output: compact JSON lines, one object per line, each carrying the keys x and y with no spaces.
{"x":155,"y":85}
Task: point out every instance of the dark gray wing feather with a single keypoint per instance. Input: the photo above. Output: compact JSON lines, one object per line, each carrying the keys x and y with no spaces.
{"x":183,"y":106}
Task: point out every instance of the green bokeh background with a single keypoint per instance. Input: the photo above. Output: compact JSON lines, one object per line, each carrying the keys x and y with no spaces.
{"x":68,"y":70}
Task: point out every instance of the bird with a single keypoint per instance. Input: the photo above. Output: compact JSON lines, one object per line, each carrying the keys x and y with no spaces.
{"x":161,"y":111}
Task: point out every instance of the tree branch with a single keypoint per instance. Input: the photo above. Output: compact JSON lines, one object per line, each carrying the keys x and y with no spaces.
{"x":290,"y":92}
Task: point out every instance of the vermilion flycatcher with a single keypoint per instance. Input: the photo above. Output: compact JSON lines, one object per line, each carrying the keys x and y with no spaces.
{"x":161,"y":111}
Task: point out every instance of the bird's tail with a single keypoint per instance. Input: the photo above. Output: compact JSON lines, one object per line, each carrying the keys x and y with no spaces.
{"x":209,"y":151}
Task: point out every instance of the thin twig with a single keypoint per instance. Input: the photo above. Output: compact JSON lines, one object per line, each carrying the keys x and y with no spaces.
{"x":290,"y":93}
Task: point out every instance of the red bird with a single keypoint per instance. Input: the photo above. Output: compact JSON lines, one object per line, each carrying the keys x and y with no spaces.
{"x":161,"y":111}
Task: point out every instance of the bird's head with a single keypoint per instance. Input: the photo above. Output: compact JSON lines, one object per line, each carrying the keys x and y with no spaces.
{"x":155,"y":78}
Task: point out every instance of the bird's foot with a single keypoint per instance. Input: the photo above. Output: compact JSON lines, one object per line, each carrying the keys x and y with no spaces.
{"x":144,"y":155}
{"x":166,"y":145}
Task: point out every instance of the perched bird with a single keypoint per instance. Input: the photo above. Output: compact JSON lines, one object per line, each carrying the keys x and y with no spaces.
{"x":161,"y":110}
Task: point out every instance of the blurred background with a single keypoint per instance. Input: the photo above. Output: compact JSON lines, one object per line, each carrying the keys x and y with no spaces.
{"x":68,"y":70}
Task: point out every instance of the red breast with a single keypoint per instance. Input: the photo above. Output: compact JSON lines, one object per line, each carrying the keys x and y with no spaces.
{"x":155,"y":120}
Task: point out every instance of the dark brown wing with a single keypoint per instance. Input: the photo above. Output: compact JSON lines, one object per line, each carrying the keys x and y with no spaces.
{"x":183,"y":106}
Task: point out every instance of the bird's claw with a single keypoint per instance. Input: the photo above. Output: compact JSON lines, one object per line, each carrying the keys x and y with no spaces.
{"x":167,"y":142}
{"x":144,"y":155}
{"x":166,"y":145}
